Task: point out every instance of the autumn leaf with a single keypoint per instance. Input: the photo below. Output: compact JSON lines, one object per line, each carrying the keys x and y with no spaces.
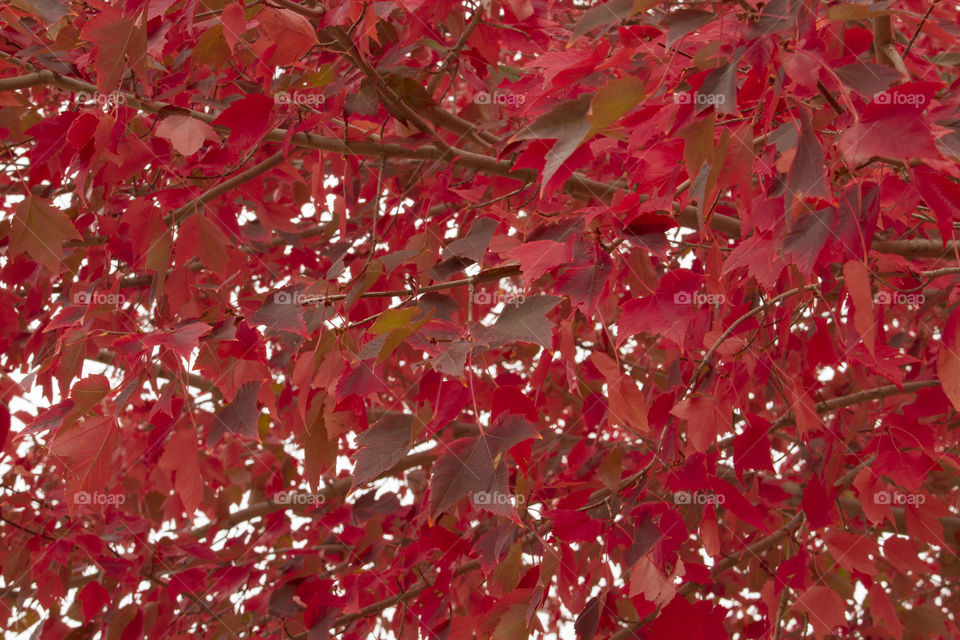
{"x":611,"y":102}
{"x":180,"y":458}
{"x":680,"y":23}
{"x":181,"y":340}
{"x":248,"y":119}
{"x":806,"y":177}
{"x":186,"y":134}
{"x":942,"y":195}
{"x":239,"y":416}
{"x":380,"y":447}
{"x":93,"y":598}
{"x":86,"y":450}
{"x":525,"y":321}
{"x":477,"y":466}
{"x":291,"y":32}
{"x":120,"y":43}
{"x":891,"y":127}
{"x":948,"y":359}
{"x":858,"y":284}
{"x":39,"y":231}
{"x":825,"y":609}
{"x":540,"y":256}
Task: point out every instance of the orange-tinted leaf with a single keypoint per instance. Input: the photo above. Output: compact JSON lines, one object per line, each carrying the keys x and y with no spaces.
{"x":292,"y":33}
{"x":186,"y":134}
{"x":39,"y":230}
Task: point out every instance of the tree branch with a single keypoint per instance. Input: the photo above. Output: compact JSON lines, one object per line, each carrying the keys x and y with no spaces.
{"x":577,"y":185}
{"x":192,"y":207}
{"x":885,"y":52}
{"x":754,"y":549}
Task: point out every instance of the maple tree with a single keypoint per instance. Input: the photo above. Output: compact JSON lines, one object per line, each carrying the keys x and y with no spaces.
{"x":443,"y":320}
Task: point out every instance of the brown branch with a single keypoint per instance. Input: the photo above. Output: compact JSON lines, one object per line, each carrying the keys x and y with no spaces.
{"x":393,"y":103}
{"x":577,"y":185}
{"x":845,"y":401}
{"x":338,"y":487}
{"x":107,"y":357}
{"x":309,"y":12}
{"x":916,"y":33}
{"x":495,"y":273}
{"x":754,"y":549}
{"x":820,"y":407}
{"x":192,"y":207}
{"x":884,"y":50}
{"x":822,"y":88}
{"x":454,"y":52}
{"x":736,"y":323}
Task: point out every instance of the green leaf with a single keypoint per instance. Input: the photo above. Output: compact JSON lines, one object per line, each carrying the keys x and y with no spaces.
{"x":612,"y":101}
{"x":559,"y":122}
{"x":393,"y":319}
